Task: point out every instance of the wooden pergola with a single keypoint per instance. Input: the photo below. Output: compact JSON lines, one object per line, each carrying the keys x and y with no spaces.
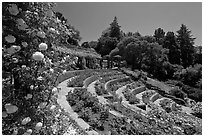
{"x":85,"y":55}
{"x":110,"y":60}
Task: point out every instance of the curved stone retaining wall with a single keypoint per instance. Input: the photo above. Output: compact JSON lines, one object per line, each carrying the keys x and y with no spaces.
{"x":155,"y":97}
{"x":109,"y":83}
{"x":177,"y":100}
{"x":138,"y":90}
{"x":89,"y":80}
{"x":67,"y":75}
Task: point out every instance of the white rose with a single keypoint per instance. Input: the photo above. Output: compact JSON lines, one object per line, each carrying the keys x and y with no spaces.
{"x":10,"y":39}
{"x":42,"y":105}
{"x":28,"y":132}
{"x":52,"y":107}
{"x":38,"y":56}
{"x":20,"y":21}
{"x":29,"y":96}
{"x":52,"y":29}
{"x":40,"y":78}
{"x":26,"y":120}
{"x":64,"y":72}
{"x":52,"y":70}
{"x":43,"y":46}
{"x":16,"y":48}
{"x":24,"y":44}
{"x":11,"y":108}
{"x":38,"y":126}
{"x":15,"y":60}
{"x":4,"y":114}
{"x":13,"y":9}
{"x":23,"y":66}
{"x":41,"y":34}
{"x":54,"y":90}
{"x":31,"y":87}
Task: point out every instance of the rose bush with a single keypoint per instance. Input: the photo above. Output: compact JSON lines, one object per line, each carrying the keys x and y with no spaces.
{"x":29,"y":68}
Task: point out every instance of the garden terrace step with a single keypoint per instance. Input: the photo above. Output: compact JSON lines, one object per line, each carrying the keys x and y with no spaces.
{"x":115,"y":81}
{"x":134,"y":85}
{"x":112,"y":114}
{"x":105,"y":78}
{"x":83,"y":79}
{"x":177,"y":100}
{"x":73,"y":73}
{"x":158,"y":85}
{"x":89,"y":80}
{"x":92,"y":90}
{"x":61,"y":100}
{"x":133,"y":107}
{"x":125,"y":103}
{"x":154,"y":97}
{"x":138,"y":90}
{"x":69,"y":74}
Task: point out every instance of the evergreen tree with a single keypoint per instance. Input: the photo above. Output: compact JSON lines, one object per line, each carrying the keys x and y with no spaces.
{"x":198,"y":55}
{"x":159,"y":35}
{"x":174,"y":50}
{"x":186,"y":41}
{"x":115,"y":29}
{"x":109,"y":38}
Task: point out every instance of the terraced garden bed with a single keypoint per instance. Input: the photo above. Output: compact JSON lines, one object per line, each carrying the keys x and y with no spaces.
{"x":119,"y":83}
{"x":107,"y":77}
{"x":81,"y":76}
{"x":91,"y":111}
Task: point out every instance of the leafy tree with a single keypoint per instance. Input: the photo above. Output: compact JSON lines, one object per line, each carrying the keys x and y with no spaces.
{"x":149,"y":39}
{"x":159,"y":35}
{"x":186,"y":41}
{"x":198,"y":54}
{"x":124,"y":42}
{"x":174,"y":49}
{"x":105,"y":45}
{"x":93,"y":44}
{"x":85,"y":45}
{"x":129,"y":34}
{"x":109,"y":38}
{"x":134,"y":52}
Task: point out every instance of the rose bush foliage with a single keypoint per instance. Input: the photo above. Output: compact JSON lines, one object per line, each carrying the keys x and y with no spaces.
{"x":29,"y":64}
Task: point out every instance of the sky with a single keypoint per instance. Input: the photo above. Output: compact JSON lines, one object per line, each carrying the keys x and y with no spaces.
{"x":91,"y":18}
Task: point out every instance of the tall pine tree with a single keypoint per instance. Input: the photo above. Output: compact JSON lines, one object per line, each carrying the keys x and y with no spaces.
{"x":115,"y":29}
{"x":186,"y":41}
{"x":159,"y":35}
{"x":109,"y":38}
{"x":170,"y":43}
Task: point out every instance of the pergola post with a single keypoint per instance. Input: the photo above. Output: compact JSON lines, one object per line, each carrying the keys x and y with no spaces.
{"x":119,"y":59}
{"x":101,"y":63}
{"x":108,"y":60}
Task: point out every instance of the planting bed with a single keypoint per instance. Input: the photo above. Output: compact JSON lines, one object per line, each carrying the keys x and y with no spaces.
{"x":91,"y":111}
{"x":119,"y":83}
{"x":83,"y":75}
{"x":124,"y":117}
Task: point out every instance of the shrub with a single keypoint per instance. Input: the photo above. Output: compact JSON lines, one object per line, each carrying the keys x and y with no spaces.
{"x":190,"y":75}
{"x":178,"y":93}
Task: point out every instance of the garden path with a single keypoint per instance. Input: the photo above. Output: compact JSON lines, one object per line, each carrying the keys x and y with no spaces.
{"x":61,"y":100}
